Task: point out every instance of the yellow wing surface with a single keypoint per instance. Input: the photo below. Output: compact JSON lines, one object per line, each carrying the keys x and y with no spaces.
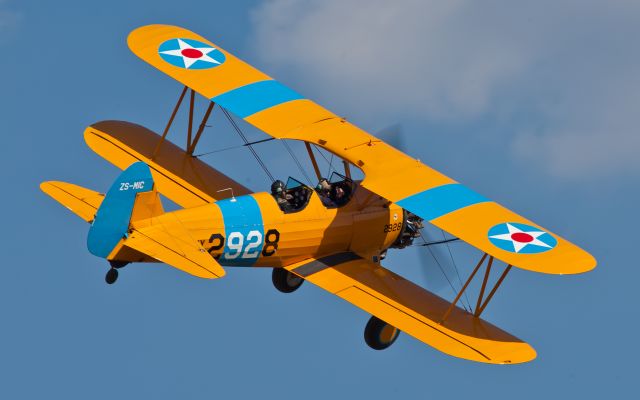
{"x":169,"y":242}
{"x":82,"y":202}
{"x":184,"y":179}
{"x":285,"y":114}
{"x":413,"y":309}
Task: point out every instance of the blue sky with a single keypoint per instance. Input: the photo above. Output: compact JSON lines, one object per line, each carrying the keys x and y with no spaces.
{"x":531,"y":104}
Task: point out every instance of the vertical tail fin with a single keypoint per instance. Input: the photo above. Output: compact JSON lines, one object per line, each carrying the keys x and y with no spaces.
{"x":131,"y":197}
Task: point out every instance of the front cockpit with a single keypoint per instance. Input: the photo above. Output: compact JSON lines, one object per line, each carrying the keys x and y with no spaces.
{"x":292,"y":196}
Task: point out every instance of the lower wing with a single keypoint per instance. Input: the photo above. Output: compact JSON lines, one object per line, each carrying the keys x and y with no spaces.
{"x":178,"y":175}
{"x":413,"y":309}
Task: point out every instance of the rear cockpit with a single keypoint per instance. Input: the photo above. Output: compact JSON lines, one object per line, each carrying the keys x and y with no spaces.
{"x":292,"y":197}
{"x":336,"y":191}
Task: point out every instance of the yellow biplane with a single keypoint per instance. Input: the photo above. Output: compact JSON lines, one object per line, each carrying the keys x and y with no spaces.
{"x":334,"y":235}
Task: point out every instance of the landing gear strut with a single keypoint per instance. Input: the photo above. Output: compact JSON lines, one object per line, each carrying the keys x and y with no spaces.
{"x":285,"y":281}
{"x":379,"y":335}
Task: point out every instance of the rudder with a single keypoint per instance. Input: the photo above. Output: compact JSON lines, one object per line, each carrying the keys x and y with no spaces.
{"x":123,"y":201}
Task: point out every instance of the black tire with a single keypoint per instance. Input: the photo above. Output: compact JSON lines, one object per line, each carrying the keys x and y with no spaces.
{"x":285,"y":281}
{"x":112,"y":276}
{"x":379,"y":335}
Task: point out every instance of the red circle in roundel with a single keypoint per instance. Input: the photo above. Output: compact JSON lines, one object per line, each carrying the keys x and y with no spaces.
{"x":522,"y":237}
{"x":191,"y":53}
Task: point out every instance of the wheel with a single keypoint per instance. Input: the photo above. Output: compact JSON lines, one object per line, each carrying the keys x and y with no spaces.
{"x":285,"y":281}
{"x":379,"y":335}
{"x":112,"y":276}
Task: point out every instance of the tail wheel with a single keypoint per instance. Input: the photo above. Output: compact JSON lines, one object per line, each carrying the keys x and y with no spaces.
{"x":112,"y":276}
{"x":379,"y":335}
{"x":285,"y":281}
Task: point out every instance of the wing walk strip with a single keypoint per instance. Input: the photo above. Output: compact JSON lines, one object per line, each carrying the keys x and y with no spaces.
{"x":323,"y":263}
{"x":412,"y":309}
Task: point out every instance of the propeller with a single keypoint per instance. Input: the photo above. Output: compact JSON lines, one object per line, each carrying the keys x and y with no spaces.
{"x":436,"y":259}
{"x":393,"y":135}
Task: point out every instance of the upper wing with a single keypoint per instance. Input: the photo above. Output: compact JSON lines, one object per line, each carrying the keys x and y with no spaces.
{"x":412,"y":309}
{"x":283,"y":113}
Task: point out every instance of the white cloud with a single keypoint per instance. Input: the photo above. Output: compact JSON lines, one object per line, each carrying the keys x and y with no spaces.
{"x":569,"y":67}
{"x":8,"y":20}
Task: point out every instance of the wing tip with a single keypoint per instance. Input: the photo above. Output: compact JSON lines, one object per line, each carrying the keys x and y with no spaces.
{"x":133,"y":38}
{"x":584,"y":264}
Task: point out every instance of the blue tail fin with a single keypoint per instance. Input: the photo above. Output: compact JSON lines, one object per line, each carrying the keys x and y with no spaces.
{"x":111,"y":222}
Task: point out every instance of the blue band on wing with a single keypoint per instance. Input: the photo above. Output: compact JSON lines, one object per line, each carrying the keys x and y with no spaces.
{"x":250,"y":99}
{"x":243,"y":231}
{"x":441,"y":200}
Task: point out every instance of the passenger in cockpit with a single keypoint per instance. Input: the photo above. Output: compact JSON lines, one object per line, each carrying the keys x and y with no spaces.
{"x":282,"y":197}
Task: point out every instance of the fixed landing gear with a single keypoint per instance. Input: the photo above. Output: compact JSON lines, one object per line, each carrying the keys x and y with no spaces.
{"x":112,"y":275}
{"x":379,"y":335}
{"x":285,"y":281}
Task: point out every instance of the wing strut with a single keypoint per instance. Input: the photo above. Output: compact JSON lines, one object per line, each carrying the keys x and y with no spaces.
{"x":480,"y":304}
{"x":190,"y":129}
{"x":192,"y":140}
{"x":203,"y":124}
{"x":173,"y":115}
{"x":313,"y":160}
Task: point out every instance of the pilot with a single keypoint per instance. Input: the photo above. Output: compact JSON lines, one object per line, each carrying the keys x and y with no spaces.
{"x":282,"y":197}
{"x":339,"y":195}
{"x":324,"y":190}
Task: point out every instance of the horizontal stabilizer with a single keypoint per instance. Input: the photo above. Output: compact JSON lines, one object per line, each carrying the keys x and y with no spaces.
{"x":83,"y":202}
{"x":166,"y":240}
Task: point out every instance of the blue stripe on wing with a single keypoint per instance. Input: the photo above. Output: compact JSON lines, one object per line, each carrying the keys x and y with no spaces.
{"x":441,"y":200}
{"x":255,"y":97}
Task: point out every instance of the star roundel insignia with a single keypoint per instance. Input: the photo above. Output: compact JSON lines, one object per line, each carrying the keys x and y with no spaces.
{"x":190,"y":54}
{"x":521,"y":238}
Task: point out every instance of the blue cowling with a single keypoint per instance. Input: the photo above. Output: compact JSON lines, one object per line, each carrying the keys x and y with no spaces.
{"x":111,"y":222}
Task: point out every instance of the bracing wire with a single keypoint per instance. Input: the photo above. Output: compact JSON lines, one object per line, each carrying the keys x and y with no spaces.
{"x":295,"y":159}
{"x":325,"y":158}
{"x":444,"y":237}
{"x":246,"y":142}
{"x":330,"y":165}
{"x":233,"y":147}
{"x":453,"y":289}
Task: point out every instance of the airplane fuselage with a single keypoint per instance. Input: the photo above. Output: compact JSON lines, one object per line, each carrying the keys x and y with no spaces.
{"x":253,"y":231}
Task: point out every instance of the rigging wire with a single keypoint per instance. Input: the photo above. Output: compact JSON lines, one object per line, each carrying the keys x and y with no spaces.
{"x":233,"y":147}
{"x":330,"y":165}
{"x":453,"y":289}
{"x":436,"y":242}
{"x":325,"y":158}
{"x":444,"y":237}
{"x":246,"y":142}
{"x":295,"y":159}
